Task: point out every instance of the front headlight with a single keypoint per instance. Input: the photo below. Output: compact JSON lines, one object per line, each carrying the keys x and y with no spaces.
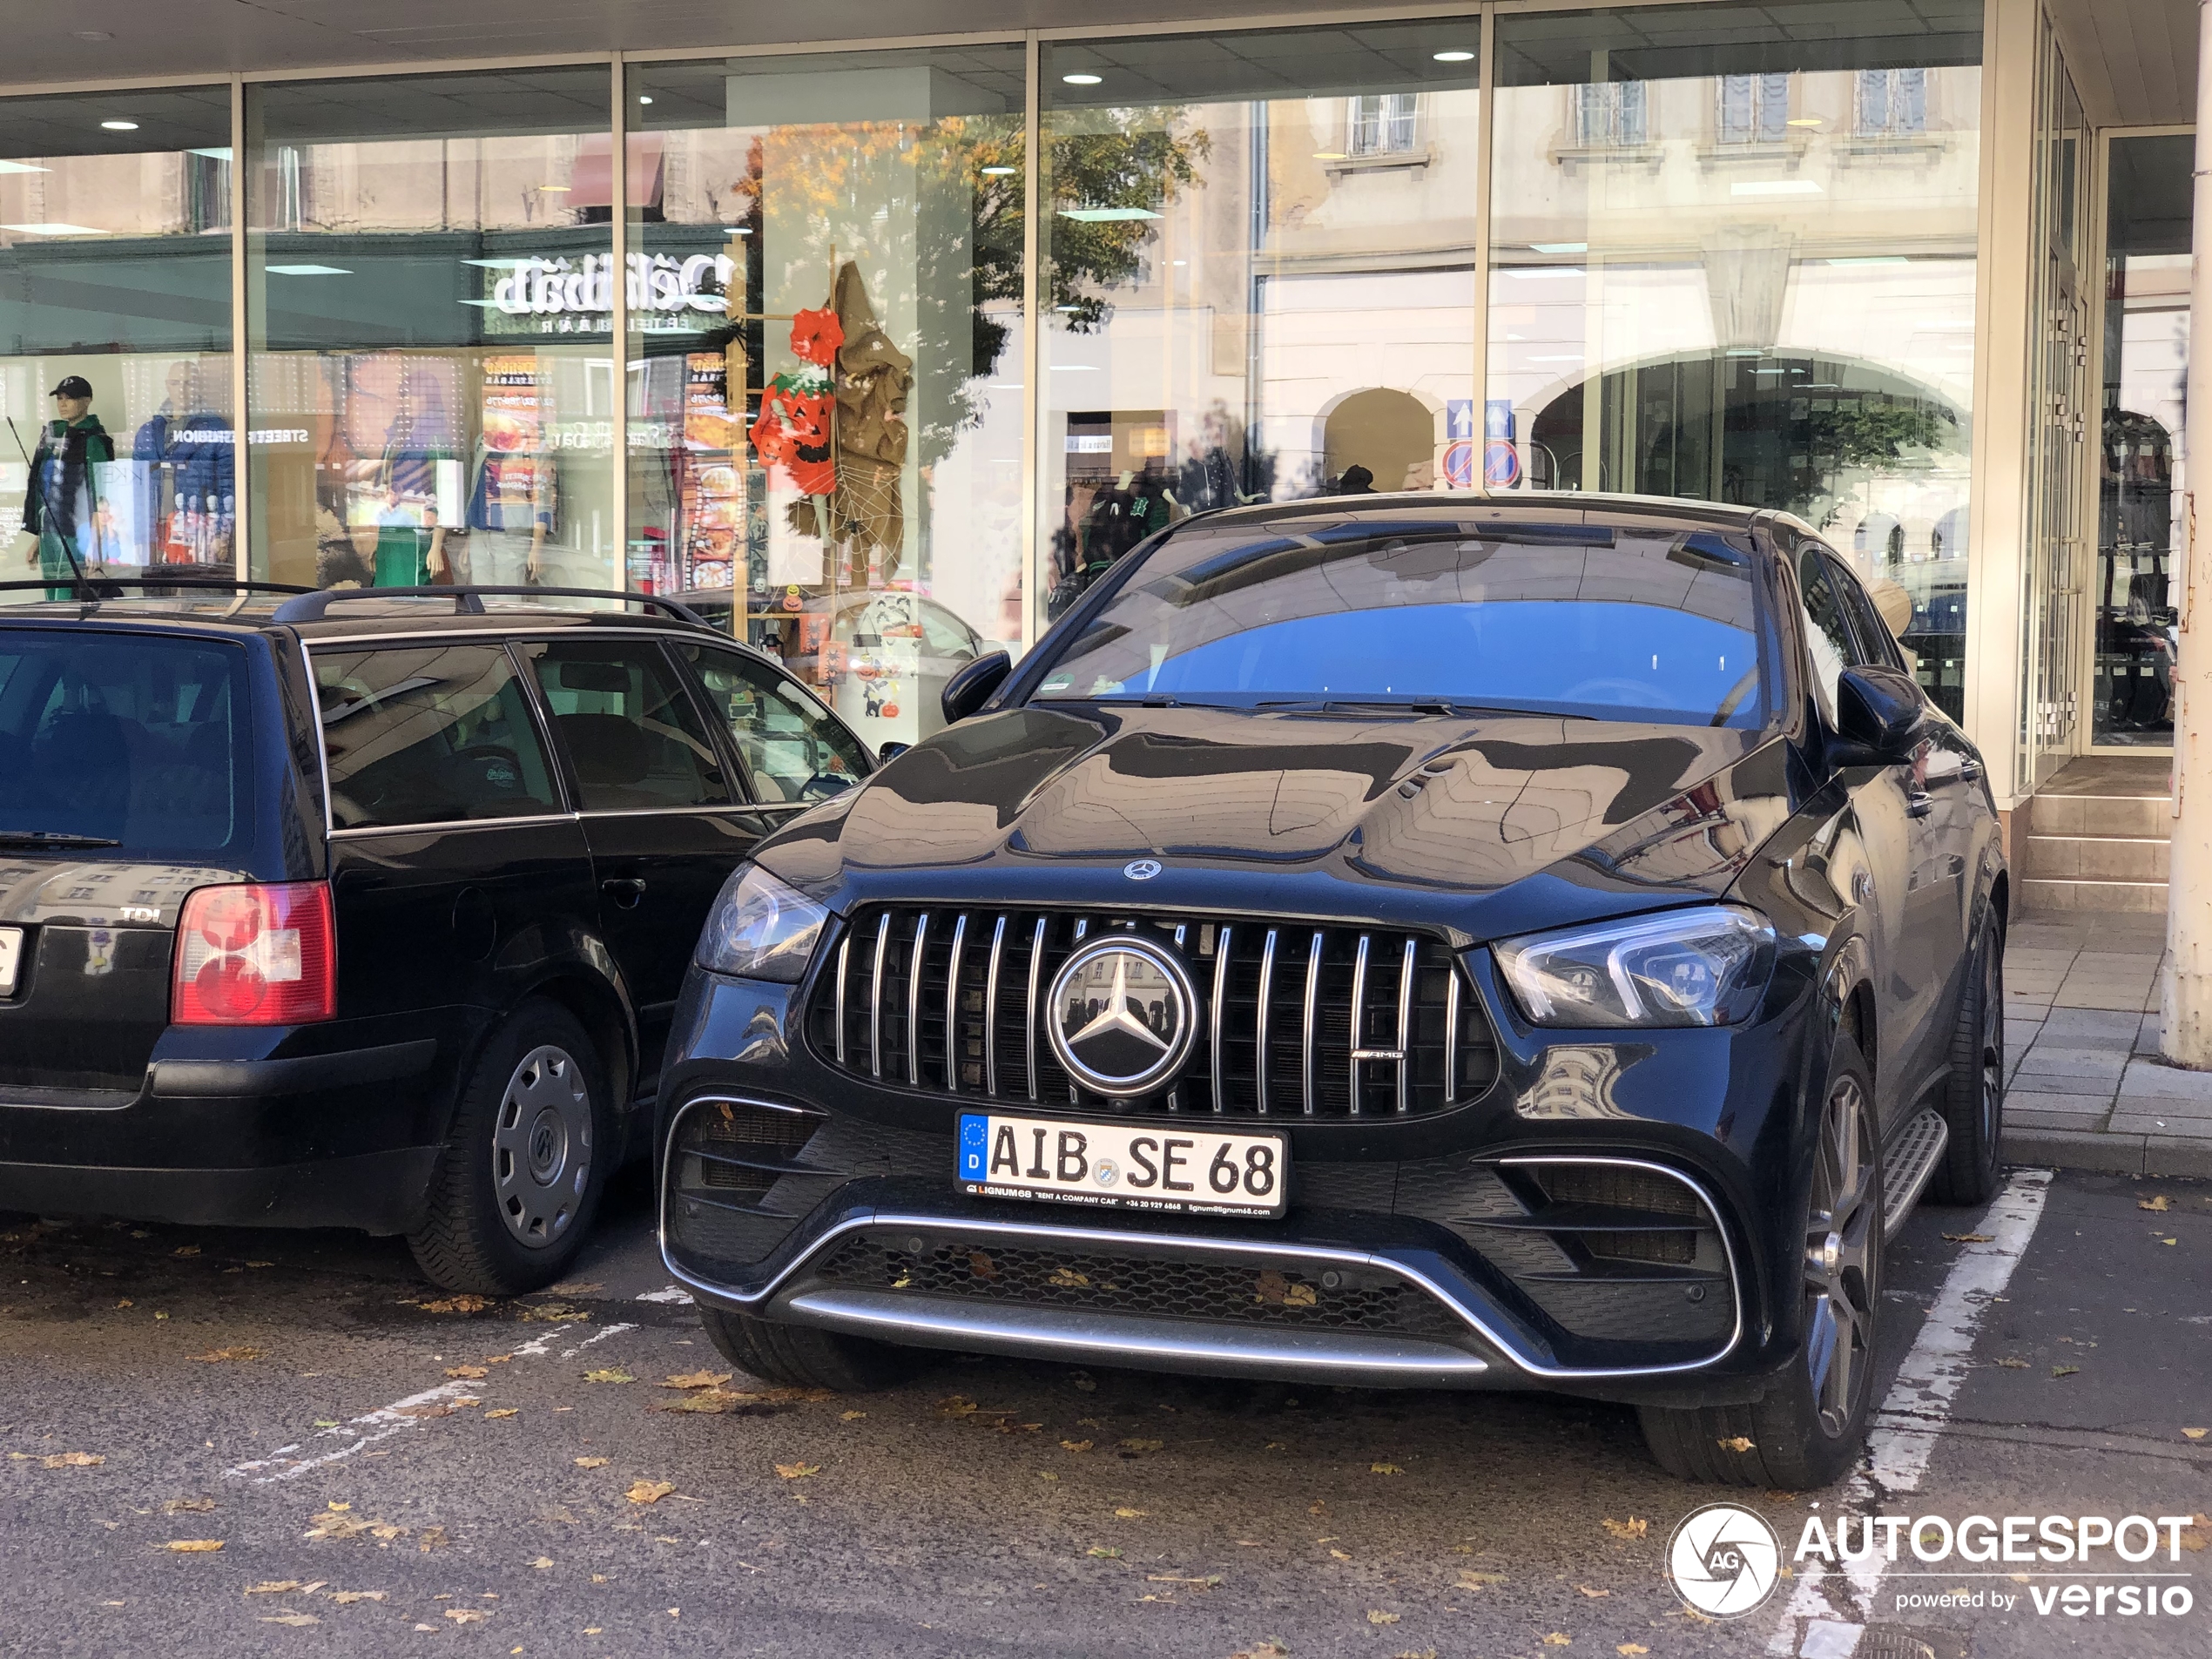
{"x":760,"y":928}
{"x":1704,"y":966}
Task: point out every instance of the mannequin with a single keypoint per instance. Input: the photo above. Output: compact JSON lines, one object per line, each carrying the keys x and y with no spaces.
{"x":61,"y":506}
{"x":194,"y":443}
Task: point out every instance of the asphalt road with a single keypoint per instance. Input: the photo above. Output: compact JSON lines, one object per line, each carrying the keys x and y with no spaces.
{"x":290,"y":1397}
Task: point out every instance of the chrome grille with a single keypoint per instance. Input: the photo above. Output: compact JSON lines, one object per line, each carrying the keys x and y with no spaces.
{"x":1294,"y":1020}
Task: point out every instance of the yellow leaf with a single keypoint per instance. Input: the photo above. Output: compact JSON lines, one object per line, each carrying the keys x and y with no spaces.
{"x":2169,"y":1241}
{"x":2193,"y":1433}
{"x":1972,"y":1239}
{"x":850,"y":1416}
{"x":1077,"y":1446}
{"x":289,"y":1617}
{"x":2011,"y":1363}
{"x":1339,"y":1554}
{"x":1634,"y":1526}
{"x":467,"y":1614}
{"x":188,"y":1249}
{"x":1127,"y":1513}
{"x":592,"y":1463}
{"x":954,"y":1406}
{"x":1384,"y":1468}
{"x":2064,"y":1371}
{"x":194,"y":1546}
{"x":504,"y":1411}
{"x":346,"y":1598}
{"x":1738,"y":1444}
{"x":456,"y":1305}
{"x":1375,"y":1616}
{"x":1104,"y":1553}
{"x":798,"y":1471}
{"x":543,"y":1562}
{"x":1630,"y":1650}
{"x":1067,"y":1279}
{"x":73,"y":1460}
{"x":648,"y":1491}
{"x":468,"y":1373}
{"x":187,"y":1506}
{"x":607,"y":1374}
{"x":126,"y":1302}
{"x":1557,"y":1639}
{"x":2161,"y":1203}
{"x":1472,"y":1580}
{"x":697,"y":1379}
{"x":1587,"y":1591}
{"x":1047,"y":1475}
{"x":272,"y":1587}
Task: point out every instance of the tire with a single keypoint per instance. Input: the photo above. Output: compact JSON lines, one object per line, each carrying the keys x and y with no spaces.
{"x":1805,"y":1432}
{"x":525,"y":1159}
{"x":1973,"y":1095}
{"x":798,"y":1356}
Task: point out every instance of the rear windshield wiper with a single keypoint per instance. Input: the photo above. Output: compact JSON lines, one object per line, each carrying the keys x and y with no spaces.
{"x":52,"y":838}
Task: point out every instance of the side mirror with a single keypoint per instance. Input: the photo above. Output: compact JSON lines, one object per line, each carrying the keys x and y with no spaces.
{"x":969,"y":689}
{"x":886,"y":752}
{"x":1879,"y":715}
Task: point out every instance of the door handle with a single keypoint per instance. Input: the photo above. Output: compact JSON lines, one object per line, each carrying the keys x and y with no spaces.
{"x":1970,"y":771}
{"x":625,"y":890}
{"x":1919,"y":805}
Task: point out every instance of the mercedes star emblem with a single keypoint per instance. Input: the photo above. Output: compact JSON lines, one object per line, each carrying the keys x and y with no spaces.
{"x":1121,"y":1015}
{"x":1141,"y":869}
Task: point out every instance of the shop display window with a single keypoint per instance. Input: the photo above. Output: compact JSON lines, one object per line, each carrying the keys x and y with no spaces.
{"x":115,"y":230}
{"x":825,"y":379}
{"x":429,"y":297}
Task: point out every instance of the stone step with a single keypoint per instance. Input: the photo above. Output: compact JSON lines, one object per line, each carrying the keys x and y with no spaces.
{"x":2050,"y":894}
{"x":2114,"y":815}
{"x":2095,"y":857}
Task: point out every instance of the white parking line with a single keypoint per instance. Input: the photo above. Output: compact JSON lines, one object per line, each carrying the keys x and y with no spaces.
{"x":398,"y":1418}
{"x":1904,"y":1435}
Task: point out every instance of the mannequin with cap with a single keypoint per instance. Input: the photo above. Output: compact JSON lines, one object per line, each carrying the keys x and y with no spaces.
{"x":61,"y":508}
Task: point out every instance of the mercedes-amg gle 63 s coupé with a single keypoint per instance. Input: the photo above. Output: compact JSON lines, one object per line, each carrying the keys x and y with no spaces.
{"x":1532,"y":942}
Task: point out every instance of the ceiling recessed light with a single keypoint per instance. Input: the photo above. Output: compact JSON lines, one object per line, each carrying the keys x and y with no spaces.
{"x":1106,"y":215}
{"x":736,"y":230}
{"x":1805,"y":120}
{"x":642,"y":98}
{"x":1329,"y":155}
{"x":307,"y":270}
{"x":1451,"y":57}
{"x":998,"y":173}
{"x":120,"y":126}
{"x":1082,"y":80}
{"x":561,"y":190}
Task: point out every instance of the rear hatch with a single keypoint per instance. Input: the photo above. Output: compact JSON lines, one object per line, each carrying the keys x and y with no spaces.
{"x":127,"y":780}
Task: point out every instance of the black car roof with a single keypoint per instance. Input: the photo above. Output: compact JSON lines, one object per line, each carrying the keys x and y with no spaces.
{"x":1591,"y":507}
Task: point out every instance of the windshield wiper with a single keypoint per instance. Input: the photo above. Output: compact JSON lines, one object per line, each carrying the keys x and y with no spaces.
{"x":1413,"y":705}
{"x":52,"y":838}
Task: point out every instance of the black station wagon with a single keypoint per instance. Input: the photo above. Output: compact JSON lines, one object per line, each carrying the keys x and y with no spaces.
{"x":363,"y":909}
{"x":1540,"y":943}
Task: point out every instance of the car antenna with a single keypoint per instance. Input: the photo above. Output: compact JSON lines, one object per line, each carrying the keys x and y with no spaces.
{"x":81,"y":583}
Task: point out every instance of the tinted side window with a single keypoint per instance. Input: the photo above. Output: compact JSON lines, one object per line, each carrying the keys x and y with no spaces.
{"x":429,"y":734}
{"x":1827,"y":635}
{"x":631,"y":730}
{"x":796,"y":750}
{"x":1875,"y":641}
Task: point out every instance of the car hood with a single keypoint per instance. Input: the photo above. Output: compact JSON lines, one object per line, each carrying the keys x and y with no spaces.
{"x":1487,"y":824}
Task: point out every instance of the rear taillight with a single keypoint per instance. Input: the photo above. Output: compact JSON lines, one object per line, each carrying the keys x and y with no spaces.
{"x":256,"y":955}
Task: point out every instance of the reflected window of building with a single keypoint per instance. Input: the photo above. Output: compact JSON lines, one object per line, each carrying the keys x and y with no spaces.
{"x":429,"y":300}
{"x":115,"y":225}
{"x":1259,"y":257}
{"x":1730,"y":295}
{"x":2140,"y":479}
{"x":826,"y":384}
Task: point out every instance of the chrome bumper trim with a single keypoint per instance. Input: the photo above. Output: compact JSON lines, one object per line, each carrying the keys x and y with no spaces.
{"x":1070,"y":1335}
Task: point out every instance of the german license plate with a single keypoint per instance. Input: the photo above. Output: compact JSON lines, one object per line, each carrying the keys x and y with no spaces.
{"x":1174,"y":1168}
{"x":11,"y":959}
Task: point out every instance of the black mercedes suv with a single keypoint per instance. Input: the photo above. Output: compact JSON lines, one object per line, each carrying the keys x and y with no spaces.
{"x":367,"y":908}
{"x":1542,"y":941}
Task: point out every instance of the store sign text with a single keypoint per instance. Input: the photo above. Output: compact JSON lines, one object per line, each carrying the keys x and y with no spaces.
{"x":555,"y":288}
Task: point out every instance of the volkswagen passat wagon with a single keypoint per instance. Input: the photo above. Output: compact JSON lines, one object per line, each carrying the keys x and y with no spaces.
{"x":1534,"y":943}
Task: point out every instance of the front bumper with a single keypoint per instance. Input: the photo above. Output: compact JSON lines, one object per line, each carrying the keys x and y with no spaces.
{"x":1502,"y":1276}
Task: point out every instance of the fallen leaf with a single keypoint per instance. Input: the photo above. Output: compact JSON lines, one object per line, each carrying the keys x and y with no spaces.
{"x":2064,"y":1371}
{"x":1047,"y":1475}
{"x":697,"y":1379}
{"x":1103,"y":1552}
{"x":468,"y":1373}
{"x":1587,"y":1591}
{"x":543,"y":1562}
{"x":467,"y":1614}
{"x":326,"y":1422}
{"x":1077,"y":1446}
{"x":1067,"y":1279}
{"x":1630,"y":1650}
{"x":187,"y":1249}
{"x":850,"y":1416}
{"x":432,"y":1538}
{"x":571,"y":1288}
{"x":592,"y":1463}
{"x":982,"y":1265}
{"x":456,"y":1305}
{"x":288,"y":1617}
{"x":1738,"y":1444}
{"x":607,"y":1374}
{"x":1269,"y":1648}
{"x":126,"y":1302}
{"x":2161,"y":1204}
{"x":261,"y":1263}
{"x":1339,"y":1554}
{"x":1134,"y":1447}
{"x":1376,"y":1616}
{"x":1384,"y":1468}
{"x":954,"y":1406}
{"x":504,"y":1411}
{"x":346,"y":1598}
{"x":1972,"y":1239}
{"x":423,"y":1411}
{"x":187,"y":1506}
{"x":1472,"y":1581}
{"x":1556,"y":1639}
{"x":333,"y":1523}
{"x":1127,"y":1513}
{"x":2011,"y":1363}
{"x":648,"y":1491}
{"x":73,"y":1460}
{"x":798,"y":1471}
{"x":272,"y":1587}
{"x":2169,"y":1241}
{"x":2193,"y":1433}
{"x":1634,"y":1526}
{"x":194,"y":1546}
{"x":1319,"y":1507}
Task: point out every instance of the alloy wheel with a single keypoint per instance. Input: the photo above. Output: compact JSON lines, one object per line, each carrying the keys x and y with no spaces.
{"x":1843,"y":1259}
{"x":540,"y":1146}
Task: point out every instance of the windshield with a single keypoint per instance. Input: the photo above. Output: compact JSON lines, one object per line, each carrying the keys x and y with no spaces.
{"x":125,"y":740}
{"x":1608,"y":624}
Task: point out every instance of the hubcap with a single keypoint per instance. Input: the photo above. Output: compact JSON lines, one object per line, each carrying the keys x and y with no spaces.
{"x":540,"y":1146}
{"x":1843,"y":1259}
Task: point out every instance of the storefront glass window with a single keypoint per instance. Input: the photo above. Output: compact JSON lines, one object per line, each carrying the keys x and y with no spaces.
{"x":115,"y":228}
{"x":2140,"y":480}
{"x":1258,"y":255}
{"x":429,"y":302}
{"x":1733,"y":260}
{"x":825,"y":377}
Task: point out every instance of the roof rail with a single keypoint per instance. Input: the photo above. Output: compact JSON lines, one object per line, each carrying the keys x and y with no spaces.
{"x":314,"y":603}
{"x":184,"y":576}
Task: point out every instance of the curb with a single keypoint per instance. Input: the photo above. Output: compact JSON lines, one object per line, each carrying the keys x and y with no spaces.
{"x":2103,"y":1154}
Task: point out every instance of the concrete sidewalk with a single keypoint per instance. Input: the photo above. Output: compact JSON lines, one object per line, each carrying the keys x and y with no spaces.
{"x":2088,"y":1090}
